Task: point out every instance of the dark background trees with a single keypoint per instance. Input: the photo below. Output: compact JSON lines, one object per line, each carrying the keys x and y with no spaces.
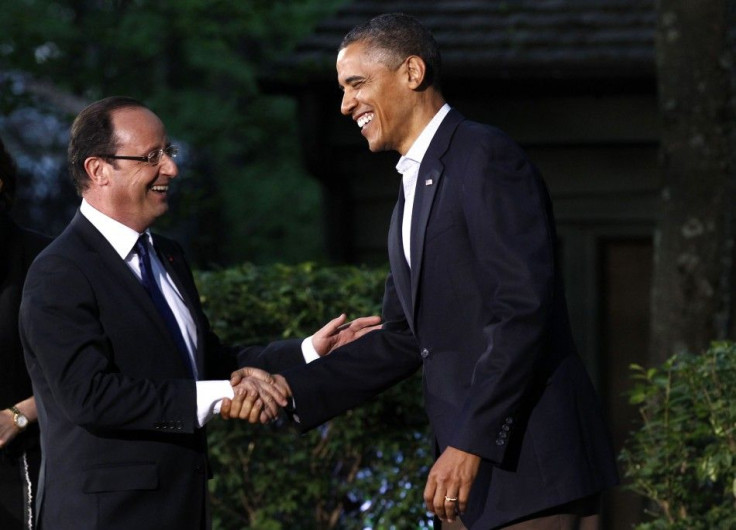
{"x":243,"y":194}
{"x":693,"y":288}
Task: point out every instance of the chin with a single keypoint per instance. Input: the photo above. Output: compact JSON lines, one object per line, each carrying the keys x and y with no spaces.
{"x":375,"y":147}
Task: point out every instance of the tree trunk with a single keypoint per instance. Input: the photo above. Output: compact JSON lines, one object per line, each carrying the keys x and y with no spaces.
{"x":693,"y":272}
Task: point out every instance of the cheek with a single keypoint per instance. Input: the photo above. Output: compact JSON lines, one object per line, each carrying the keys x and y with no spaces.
{"x":388,"y":120}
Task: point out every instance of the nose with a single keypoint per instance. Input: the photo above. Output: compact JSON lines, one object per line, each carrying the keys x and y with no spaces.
{"x":168,"y":166}
{"x":348,"y":102}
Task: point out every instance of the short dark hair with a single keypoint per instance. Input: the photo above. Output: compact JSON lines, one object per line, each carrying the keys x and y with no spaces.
{"x":396,"y":36}
{"x":93,"y":134}
{"x":8,"y":175}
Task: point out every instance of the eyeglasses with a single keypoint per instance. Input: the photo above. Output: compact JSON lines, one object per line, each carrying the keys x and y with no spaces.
{"x":153,"y":158}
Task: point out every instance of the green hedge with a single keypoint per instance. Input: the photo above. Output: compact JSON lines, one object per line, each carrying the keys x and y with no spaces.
{"x":366,"y":468}
{"x":683,"y":457}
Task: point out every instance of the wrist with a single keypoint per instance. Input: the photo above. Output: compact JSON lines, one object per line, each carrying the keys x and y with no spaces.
{"x":20,"y":420}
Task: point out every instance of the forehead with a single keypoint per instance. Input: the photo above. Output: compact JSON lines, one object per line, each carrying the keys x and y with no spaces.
{"x":137,"y":126}
{"x":357,"y":60}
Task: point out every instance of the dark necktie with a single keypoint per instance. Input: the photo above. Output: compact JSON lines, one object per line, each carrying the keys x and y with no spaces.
{"x":149,"y":282}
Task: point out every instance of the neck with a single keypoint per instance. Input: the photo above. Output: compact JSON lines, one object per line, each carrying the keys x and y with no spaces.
{"x":428,"y":104}
{"x":115,"y":213}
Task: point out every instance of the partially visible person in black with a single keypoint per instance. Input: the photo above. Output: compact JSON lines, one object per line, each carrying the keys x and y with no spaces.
{"x":20,"y":453}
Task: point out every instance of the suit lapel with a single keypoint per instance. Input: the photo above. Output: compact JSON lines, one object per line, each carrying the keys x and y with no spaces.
{"x":116,"y":267}
{"x":175,"y":265}
{"x":173,"y":262}
{"x":399,"y":267}
{"x":428,"y":183}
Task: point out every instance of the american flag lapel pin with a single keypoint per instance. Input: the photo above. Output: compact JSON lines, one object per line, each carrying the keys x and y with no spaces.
{"x":428,"y":182}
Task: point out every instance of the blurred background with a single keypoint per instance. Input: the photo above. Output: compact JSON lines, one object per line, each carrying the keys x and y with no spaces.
{"x":626,"y":106}
{"x":243,"y":193}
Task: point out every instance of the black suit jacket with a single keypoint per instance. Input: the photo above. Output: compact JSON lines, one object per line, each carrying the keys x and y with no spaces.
{"x":483,"y":312}
{"x":117,"y":406}
{"x":18,"y":248}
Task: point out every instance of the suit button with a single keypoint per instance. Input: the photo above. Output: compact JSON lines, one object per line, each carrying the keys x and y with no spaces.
{"x":500,"y":442}
{"x":509,"y":420}
{"x":425,"y":353}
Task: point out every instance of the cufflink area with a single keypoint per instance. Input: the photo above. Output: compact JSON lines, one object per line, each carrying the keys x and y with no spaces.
{"x":504,"y":431}
{"x":173,"y":425}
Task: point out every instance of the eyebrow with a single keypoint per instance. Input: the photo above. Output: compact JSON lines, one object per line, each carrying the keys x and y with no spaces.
{"x":167,"y":143}
{"x":350,"y":80}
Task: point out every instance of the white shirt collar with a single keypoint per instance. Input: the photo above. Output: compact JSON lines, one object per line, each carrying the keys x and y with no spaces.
{"x":421,"y":144}
{"x":121,"y":237}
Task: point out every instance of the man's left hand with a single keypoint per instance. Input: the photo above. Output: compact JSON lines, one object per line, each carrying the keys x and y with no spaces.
{"x":337,"y":332}
{"x":449,"y":482}
{"x":8,"y":429}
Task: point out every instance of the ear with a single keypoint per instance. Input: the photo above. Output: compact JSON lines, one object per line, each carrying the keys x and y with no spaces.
{"x":415,"y":70}
{"x":96,"y":169}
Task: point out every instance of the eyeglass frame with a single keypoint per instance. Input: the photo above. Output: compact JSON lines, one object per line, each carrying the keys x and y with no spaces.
{"x":170,"y":150}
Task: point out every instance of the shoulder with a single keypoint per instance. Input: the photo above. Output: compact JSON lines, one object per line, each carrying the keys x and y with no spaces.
{"x":475,"y":134}
{"x":461,"y":137}
{"x":478,"y":145}
{"x":69,"y":253}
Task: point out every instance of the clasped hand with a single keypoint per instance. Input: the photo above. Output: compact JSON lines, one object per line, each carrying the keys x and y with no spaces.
{"x":259,"y":396}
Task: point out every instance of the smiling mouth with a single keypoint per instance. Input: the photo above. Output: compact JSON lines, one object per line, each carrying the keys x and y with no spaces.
{"x":160,"y":188}
{"x":365,"y":119}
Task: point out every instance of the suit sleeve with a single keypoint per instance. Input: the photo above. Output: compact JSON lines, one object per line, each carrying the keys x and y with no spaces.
{"x":356,"y":372}
{"x":222,"y":360}
{"x":69,"y":352}
{"x":504,"y":203}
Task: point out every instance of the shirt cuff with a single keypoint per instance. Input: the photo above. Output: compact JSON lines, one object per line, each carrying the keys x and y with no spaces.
{"x":209,"y":399}
{"x":308,"y":351}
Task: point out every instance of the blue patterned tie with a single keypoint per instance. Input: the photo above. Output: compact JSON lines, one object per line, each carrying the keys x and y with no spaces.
{"x":149,"y":282}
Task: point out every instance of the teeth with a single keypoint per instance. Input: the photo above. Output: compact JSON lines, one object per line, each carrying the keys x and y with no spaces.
{"x":160,"y":188}
{"x":364,"y":120}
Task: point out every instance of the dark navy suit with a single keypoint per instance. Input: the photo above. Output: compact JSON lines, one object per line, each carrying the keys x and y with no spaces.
{"x":116,"y":401}
{"x":482,"y":310}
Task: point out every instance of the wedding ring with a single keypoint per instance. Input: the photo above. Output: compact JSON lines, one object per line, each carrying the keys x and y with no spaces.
{"x":450,"y":499}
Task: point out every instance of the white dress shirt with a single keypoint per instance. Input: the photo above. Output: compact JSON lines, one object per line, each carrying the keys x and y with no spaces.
{"x":408,"y":166}
{"x":123,"y":239}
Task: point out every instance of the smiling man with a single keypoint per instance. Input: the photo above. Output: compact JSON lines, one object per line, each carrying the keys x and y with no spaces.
{"x":474,"y":298}
{"x":125,"y":368}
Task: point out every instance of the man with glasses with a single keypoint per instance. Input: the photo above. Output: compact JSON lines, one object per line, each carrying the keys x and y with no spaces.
{"x":123,"y":362}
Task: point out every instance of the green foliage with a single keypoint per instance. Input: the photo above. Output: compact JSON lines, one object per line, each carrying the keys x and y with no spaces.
{"x":364,"y":469}
{"x":197,"y":63}
{"x":683,"y":457}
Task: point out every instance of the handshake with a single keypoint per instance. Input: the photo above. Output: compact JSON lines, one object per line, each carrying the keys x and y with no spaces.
{"x":260,"y":396}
